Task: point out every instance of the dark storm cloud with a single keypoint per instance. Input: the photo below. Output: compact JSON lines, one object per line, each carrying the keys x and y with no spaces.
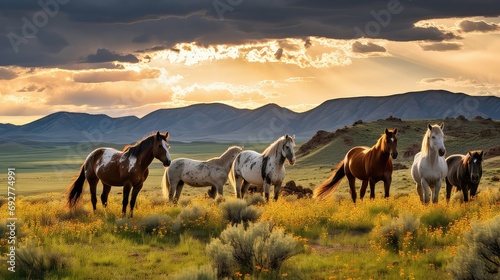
{"x":478,"y":26}
{"x":359,"y":47}
{"x":104,"y":55}
{"x":74,"y":29}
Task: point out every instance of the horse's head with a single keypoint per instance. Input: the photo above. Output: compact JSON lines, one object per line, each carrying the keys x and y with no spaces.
{"x":436,"y":138}
{"x":391,"y":142}
{"x":287,"y":151}
{"x":474,"y":163}
{"x":161,"y":147}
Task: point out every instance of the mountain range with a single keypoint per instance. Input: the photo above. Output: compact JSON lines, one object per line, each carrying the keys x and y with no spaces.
{"x":222,"y":123}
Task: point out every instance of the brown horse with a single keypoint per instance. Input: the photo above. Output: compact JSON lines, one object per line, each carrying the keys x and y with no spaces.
{"x":464,"y":172}
{"x":128,"y":168}
{"x":370,"y":165}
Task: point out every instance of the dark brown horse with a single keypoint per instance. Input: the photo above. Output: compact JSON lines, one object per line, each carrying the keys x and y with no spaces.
{"x":128,"y":168}
{"x":370,"y":165}
{"x":465,"y":173}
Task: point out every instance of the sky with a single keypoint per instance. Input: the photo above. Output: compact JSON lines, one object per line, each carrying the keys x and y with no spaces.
{"x":124,"y":58}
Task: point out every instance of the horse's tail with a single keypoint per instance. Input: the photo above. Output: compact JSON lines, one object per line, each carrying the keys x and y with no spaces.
{"x":75,"y":189}
{"x":231,"y":178}
{"x":331,"y":184}
{"x":165,"y":184}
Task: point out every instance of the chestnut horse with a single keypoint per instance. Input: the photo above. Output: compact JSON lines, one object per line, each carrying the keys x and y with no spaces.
{"x":370,"y":165}
{"x":128,"y":168}
{"x":465,"y":173}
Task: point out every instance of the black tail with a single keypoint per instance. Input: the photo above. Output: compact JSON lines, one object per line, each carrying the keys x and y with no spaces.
{"x":76,"y":188}
{"x":332,"y":183}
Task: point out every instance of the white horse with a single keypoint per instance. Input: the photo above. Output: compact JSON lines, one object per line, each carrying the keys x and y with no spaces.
{"x":429,"y":167}
{"x":212,"y":172}
{"x":264,"y":169}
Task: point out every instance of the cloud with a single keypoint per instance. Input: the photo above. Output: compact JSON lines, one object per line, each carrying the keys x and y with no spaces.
{"x":478,"y":26}
{"x":104,"y":55}
{"x":31,"y":88}
{"x":459,"y":82}
{"x":6,"y":74}
{"x":103,"y":76}
{"x":442,"y":47}
{"x":204,"y":95}
{"x":359,"y":47}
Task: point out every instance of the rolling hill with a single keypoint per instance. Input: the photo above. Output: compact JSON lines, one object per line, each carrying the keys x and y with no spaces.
{"x":223,"y":123}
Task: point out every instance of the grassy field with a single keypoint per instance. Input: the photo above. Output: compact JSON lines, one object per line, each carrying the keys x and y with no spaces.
{"x":339,"y":240}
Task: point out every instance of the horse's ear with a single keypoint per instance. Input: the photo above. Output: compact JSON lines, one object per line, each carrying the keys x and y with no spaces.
{"x":469,"y":153}
{"x":386,"y":131}
{"x":158,"y":135}
{"x":442,"y":126}
{"x":429,"y":126}
{"x":167,"y":134}
{"x":286,"y":136}
{"x":481,"y":154}
{"x":395,"y":131}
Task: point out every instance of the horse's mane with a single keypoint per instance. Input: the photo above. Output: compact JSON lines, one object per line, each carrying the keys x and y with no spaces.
{"x":426,"y":141}
{"x":275,"y":147}
{"x":224,"y":157}
{"x":139,"y":146}
{"x":381,"y":143}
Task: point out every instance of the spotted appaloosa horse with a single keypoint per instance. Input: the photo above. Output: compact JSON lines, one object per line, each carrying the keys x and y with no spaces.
{"x":264,"y":169}
{"x":464,"y":172}
{"x":212,"y":172}
{"x":128,"y":168}
{"x":370,"y":165}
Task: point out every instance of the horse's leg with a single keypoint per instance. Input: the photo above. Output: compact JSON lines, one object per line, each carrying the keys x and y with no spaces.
{"x":277,"y":188}
{"x":435,"y":192}
{"x":420,"y":191}
{"x":93,"y":189}
{"x":352,"y":187}
{"x":449,"y":188}
{"x":126,"y":193}
{"x":266,"y":187}
{"x":372,"y":188}
{"x":135,"y":192}
{"x":104,"y":196}
{"x":424,"y":191}
{"x":465,"y":191}
{"x":362,"y":191}
{"x":238,"y":182}
{"x":178,"y":191}
{"x":244,"y":188}
{"x":387,"y":186}
{"x":174,"y":181}
{"x":473,"y":191}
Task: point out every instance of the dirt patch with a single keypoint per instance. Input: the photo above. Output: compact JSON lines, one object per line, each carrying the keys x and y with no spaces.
{"x":290,"y":188}
{"x":399,"y":166}
{"x":321,"y":138}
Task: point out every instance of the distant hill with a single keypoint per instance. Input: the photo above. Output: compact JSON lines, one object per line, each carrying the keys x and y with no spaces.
{"x":223,"y":123}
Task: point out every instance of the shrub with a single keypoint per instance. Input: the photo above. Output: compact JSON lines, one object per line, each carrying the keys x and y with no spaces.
{"x":255,"y":199}
{"x":398,"y":233}
{"x":192,"y":217}
{"x":37,"y":263}
{"x":438,"y":218}
{"x":237,"y":211}
{"x":245,"y":251}
{"x":479,"y":257}
{"x":155,"y":223}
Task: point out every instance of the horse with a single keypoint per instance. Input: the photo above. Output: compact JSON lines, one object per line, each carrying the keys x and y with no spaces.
{"x":263,"y":169}
{"x":213,"y":172}
{"x":464,"y":172}
{"x":128,"y":168}
{"x":429,"y":167}
{"x":370,"y":165}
